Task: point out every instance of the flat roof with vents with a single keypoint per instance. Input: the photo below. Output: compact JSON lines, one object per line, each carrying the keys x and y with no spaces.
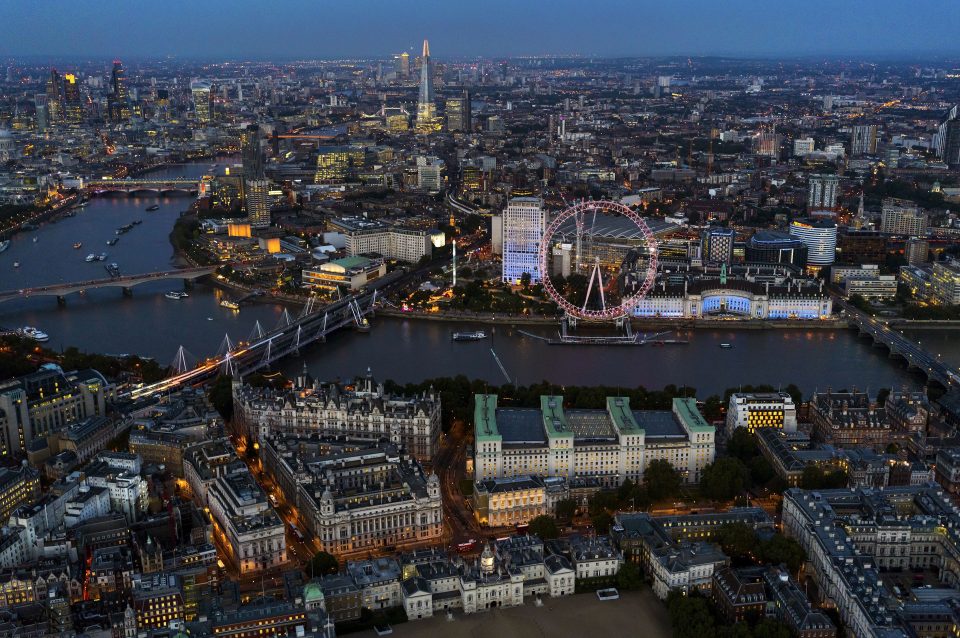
{"x":554,"y":419}
{"x":532,"y":426}
{"x":520,"y":425}
{"x":659,"y":424}
{"x":485,"y":418}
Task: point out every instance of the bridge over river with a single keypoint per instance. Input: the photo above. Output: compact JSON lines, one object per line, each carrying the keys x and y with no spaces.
{"x":125,"y":282}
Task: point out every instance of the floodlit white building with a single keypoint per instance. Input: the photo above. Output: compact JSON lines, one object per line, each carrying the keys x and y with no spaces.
{"x":757,"y":410}
{"x":608,"y":445}
{"x":524,"y":222}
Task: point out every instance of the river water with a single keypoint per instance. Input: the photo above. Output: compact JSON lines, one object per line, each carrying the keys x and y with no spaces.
{"x":407,"y":351}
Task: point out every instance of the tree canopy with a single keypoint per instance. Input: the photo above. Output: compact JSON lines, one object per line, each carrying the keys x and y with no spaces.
{"x":661,"y":479}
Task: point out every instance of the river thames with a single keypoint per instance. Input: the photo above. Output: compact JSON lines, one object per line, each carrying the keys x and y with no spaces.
{"x":403,"y":350}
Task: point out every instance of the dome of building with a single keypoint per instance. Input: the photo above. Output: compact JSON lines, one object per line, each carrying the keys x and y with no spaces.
{"x":312,"y":593}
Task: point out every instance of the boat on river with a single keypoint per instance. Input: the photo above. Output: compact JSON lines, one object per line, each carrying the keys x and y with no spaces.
{"x":475,"y":335}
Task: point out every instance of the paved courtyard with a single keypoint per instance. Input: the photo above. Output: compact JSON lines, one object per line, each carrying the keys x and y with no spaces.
{"x":580,"y":615}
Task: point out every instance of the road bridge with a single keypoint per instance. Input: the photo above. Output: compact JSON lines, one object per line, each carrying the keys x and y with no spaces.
{"x":134,"y":185}
{"x":916,"y":357}
{"x":126,"y":283}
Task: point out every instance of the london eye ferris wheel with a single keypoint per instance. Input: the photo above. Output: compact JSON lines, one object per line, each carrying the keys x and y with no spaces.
{"x":597,"y":260}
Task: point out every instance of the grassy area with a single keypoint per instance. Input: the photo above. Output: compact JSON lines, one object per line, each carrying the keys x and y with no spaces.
{"x":466,"y":488}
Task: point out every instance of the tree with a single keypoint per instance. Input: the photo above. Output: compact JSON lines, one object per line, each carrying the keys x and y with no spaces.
{"x":322,"y":564}
{"x":882,"y":396}
{"x":525,"y":280}
{"x":221,"y":396}
{"x":602,"y":501}
{"x":737,"y":540}
{"x":566,"y":509}
{"x":661,"y":479}
{"x":742,"y":444}
{"x":780,"y":549}
{"x":690,"y":616}
{"x":544,"y":527}
{"x":629,"y":576}
{"x":761,"y":472}
{"x":713,"y":408}
{"x":724,"y":478}
{"x":602,"y":522}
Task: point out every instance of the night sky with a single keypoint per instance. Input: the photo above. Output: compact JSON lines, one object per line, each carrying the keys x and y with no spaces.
{"x":283,"y":29}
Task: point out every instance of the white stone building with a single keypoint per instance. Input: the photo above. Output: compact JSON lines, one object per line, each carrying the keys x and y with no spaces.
{"x":250,"y":528}
{"x":755,"y":410}
{"x":607,"y":445}
{"x":359,"y":498}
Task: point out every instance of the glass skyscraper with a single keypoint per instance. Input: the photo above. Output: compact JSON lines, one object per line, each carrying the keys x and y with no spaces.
{"x":427,"y":121}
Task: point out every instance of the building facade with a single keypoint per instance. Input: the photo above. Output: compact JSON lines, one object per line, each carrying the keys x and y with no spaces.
{"x":524,"y":222}
{"x":356,"y":499}
{"x":606,"y":445}
{"x":758,"y":410}
{"x":363,"y":412}
{"x":820,"y":236}
{"x":822,"y":192}
{"x":249,"y":528}
{"x":902,"y":217}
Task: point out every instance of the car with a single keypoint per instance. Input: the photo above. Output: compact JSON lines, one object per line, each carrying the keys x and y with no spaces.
{"x":383,"y":630}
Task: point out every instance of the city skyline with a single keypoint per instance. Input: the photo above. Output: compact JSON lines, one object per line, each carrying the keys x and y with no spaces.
{"x":280,"y":290}
{"x":241,"y":30}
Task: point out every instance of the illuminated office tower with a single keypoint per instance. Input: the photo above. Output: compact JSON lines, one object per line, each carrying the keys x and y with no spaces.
{"x":820,"y":236}
{"x":334,"y":163}
{"x":427,"y":121}
{"x":717,"y":244}
{"x":202,"y":105}
{"x":458,"y":113}
{"x":55,"y":96}
{"x":403,"y":65}
{"x":43,"y":112}
{"x":258,"y":202}
{"x":863,"y":140}
{"x":251,"y":152}
{"x":524,"y":222}
{"x":72,"y":102}
{"x":119,"y":101}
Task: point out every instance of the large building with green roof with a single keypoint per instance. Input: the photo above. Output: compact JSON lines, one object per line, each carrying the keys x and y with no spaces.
{"x":609,"y":445}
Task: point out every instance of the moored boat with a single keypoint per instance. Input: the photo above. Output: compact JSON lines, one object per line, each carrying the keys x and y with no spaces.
{"x":474,"y":335}
{"x":34,"y":333}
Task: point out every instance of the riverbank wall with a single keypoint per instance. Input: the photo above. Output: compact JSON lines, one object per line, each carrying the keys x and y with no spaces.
{"x":640,"y":324}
